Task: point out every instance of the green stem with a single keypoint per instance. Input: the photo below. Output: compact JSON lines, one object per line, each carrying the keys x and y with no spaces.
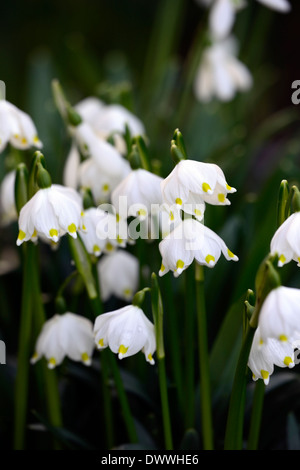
{"x":165,"y":403}
{"x":206,"y":407}
{"x":234,"y":427}
{"x":127,"y":415}
{"x":49,"y":377}
{"x":88,"y":272}
{"x":157,"y":311}
{"x":256,"y":415}
{"x":22,"y":378}
{"x":189,"y":354}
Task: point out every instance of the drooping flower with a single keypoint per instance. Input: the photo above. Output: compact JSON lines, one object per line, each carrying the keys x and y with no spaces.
{"x":8,"y":211}
{"x":188,"y":241}
{"x":101,"y":184}
{"x":279,"y":317}
{"x":222,"y":13}
{"x":67,"y":335}
{"x":264,"y":355}
{"x":118,"y":275}
{"x":220,"y":74}
{"x":126,"y":331}
{"x":141,"y":191}
{"x":286,"y":240}
{"x":192,"y":183}
{"x":16,"y":128}
{"x":110,"y":119}
{"x":51,"y":213}
{"x":107,"y":157}
{"x":103,"y":233}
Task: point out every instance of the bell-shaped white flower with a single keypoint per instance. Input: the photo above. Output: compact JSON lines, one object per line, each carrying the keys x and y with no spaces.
{"x":126,"y":331}
{"x":221,"y":74}
{"x":191,"y":183}
{"x":71,"y":168}
{"x":140,"y":193}
{"x":264,"y":355}
{"x":282,"y":6}
{"x":101,"y":184}
{"x":286,"y":240}
{"x":8,"y":211}
{"x":279,"y":317}
{"x":51,"y":213}
{"x":107,"y":157}
{"x":103,"y":233}
{"x":118,"y":275}
{"x":109,"y":119}
{"x":16,"y":128}
{"x":67,"y":335}
{"x":188,"y":241}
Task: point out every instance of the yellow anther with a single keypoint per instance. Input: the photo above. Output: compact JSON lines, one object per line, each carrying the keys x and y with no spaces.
{"x":85,"y":357}
{"x":264,"y":374}
{"x":287,"y":361}
{"x":105,"y":188}
{"x":197,"y":212}
{"x":127,"y":292}
{"x":109,"y":246}
{"x":162,"y":268}
{"x":230,"y":254}
{"x":52,"y":362}
{"x":178,"y":201}
{"x":206,"y":187}
{"x":209,"y":258}
{"x":21,"y":235}
{"x":229,"y":188}
{"x":122,"y":349}
{"x":53,"y":232}
{"x":180,"y":264}
{"x":282,"y":259}
{"x":101,"y":343}
{"x":283,"y":338}
{"x":172,"y":216}
{"x":72,"y":228}
{"x":221,"y":197}
{"x":142,"y":212}
{"x":96,"y":249}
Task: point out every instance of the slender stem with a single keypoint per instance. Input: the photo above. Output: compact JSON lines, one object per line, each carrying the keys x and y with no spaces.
{"x":189,"y":354}
{"x":128,"y":418}
{"x":256,"y":415}
{"x":206,"y":407}
{"x":49,"y":377}
{"x":157,"y":312}
{"x":234,"y":427}
{"x":165,"y":403}
{"x":22,"y":378}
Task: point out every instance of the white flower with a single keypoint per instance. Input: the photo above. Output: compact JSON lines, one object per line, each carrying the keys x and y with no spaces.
{"x":7,"y":199}
{"x":67,"y":335}
{"x":107,"y":157}
{"x":223,"y":13}
{"x":192,"y":183}
{"x":108,"y":119}
{"x":71,"y":168}
{"x":16,"y":128}
{"x":279,"y":317}
{"x":188,"y":241}
{"x":264,"y":355}
{"x":50,"y":213}
{"x":286,"y":240}
{"x":118,"y":275}
{"x":142,"y":192}
{"x":222,"y":16}
{"x":280,"y":5}
{"x":126,"y":331}
{"x":102,"y":232}
{"x":101,"y":184}
{"x":220,"y":73}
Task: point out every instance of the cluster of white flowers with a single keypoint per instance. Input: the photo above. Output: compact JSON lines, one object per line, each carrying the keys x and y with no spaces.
{"x":187,"y":189}
{"x":221,"y":74}
{"x":277,"y":336}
